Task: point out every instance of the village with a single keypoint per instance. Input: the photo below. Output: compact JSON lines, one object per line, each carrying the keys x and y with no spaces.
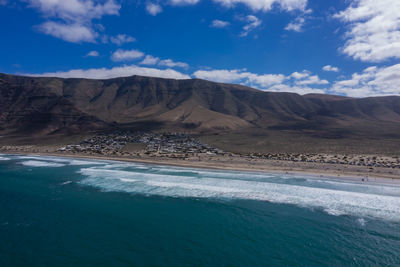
{"x":181,"y":145}
{"x":155,"y":144}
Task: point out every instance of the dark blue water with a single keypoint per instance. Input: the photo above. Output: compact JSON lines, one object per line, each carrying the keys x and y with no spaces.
{"x":64,"y":212}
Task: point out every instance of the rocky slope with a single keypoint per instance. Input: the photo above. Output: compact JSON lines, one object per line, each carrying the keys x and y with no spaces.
{"x":53,"y":105}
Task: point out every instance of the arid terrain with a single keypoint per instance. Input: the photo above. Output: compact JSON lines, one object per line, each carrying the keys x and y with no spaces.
{"x":213,"y":125}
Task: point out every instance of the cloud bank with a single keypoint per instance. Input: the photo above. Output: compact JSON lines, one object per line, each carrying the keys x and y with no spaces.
{"x":372,"y":81}
{"x":123,"y":71}
{"x":373,"y":30}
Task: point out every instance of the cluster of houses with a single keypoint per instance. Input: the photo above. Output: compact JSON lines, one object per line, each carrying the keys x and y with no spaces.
{"x":171,"y":143}
{"x":180,"y":145}
{"x":156,"y":144}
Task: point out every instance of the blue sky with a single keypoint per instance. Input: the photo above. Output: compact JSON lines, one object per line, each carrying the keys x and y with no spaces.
{"x":305,"y":46}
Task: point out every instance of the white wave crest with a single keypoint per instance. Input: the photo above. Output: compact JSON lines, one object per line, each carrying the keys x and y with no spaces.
{"x":212,"y":173}
{"x":338,"y":200}
{"x":65,"y":161}
{"x":334,"y":212}
{"x":189,"y":186}
{"x":36,"y":163}
{"x":361,"y":221}
{"x":76,"y":162}
{"x":4,"y":158}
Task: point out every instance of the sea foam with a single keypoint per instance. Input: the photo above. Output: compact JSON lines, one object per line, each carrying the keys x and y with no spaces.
{"x":334,"y":198}
{"x":36,"y":163}
{"x":64,"y":161}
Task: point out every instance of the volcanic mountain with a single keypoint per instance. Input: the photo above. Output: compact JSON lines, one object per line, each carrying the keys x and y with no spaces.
{"x":42,"y":106}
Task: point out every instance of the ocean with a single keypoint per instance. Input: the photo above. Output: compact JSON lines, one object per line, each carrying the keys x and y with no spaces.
{"x":58,"y":211}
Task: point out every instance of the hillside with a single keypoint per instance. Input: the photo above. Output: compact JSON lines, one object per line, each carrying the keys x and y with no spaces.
{"x":45,"y":106}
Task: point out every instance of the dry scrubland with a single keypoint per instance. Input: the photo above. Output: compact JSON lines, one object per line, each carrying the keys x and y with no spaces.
{"x":295,"y":143}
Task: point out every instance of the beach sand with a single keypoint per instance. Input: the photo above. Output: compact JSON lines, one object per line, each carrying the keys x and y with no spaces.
{"x":231,"y":162}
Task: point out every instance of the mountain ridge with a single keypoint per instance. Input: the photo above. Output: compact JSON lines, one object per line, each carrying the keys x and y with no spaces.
{"x":45,"y":105}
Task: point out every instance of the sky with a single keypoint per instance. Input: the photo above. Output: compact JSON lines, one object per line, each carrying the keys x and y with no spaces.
{"x":341,"y":47}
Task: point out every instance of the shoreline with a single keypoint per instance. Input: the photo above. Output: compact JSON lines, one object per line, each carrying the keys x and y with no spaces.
{"x":242,"y":164}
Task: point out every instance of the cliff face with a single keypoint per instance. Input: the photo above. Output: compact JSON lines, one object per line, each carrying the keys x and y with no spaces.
{"x":47,"y":105}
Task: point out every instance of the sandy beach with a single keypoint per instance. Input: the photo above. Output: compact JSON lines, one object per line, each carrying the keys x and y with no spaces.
{"x":234,"y":162}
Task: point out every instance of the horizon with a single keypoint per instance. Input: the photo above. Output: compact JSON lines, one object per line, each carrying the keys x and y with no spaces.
{"x":347,"y":48}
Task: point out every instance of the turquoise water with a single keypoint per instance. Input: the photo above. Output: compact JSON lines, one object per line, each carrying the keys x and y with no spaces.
{"x":67,"y":212}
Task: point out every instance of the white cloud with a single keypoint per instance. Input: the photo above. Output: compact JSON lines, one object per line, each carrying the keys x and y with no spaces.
{"x":123,"y":71}
{"x":265,"y":80}
{"x":75,"y":10}
{"x":3,"y":2}
{"x":224,"y":76}
{"x":330,"y":68}
{"x":184,"y":2}
{"x":253,"y":22}
{"x":150,"y":60}
{"x":93,"y":54}
{"x":302,"y":90}
{"x":296,"y":82}
{"x":268,"y":82}
{"x":121,"y":39}
{"x":312,"y":79}
{"x":74,"y":33}
{"x":374,"y":30}
{"x":170,"y":63}
{"x":74,"y":17}
{"x":219,"y":24}
{"x":305,"y":78}
{"x":372,"y":81}
{"x":153,"y":9}
{"x":296,"y":25}
{"x":300,"y":75}
{"x":266,"y":5}
{"x":255,"y":5}
{"x":238,"y":76}
{"x":125,"y":55}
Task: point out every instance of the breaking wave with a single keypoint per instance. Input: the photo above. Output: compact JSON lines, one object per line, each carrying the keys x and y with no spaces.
{"x":331,"y":196}
{"x":63,"y":161}
{"x":36,"y":163}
